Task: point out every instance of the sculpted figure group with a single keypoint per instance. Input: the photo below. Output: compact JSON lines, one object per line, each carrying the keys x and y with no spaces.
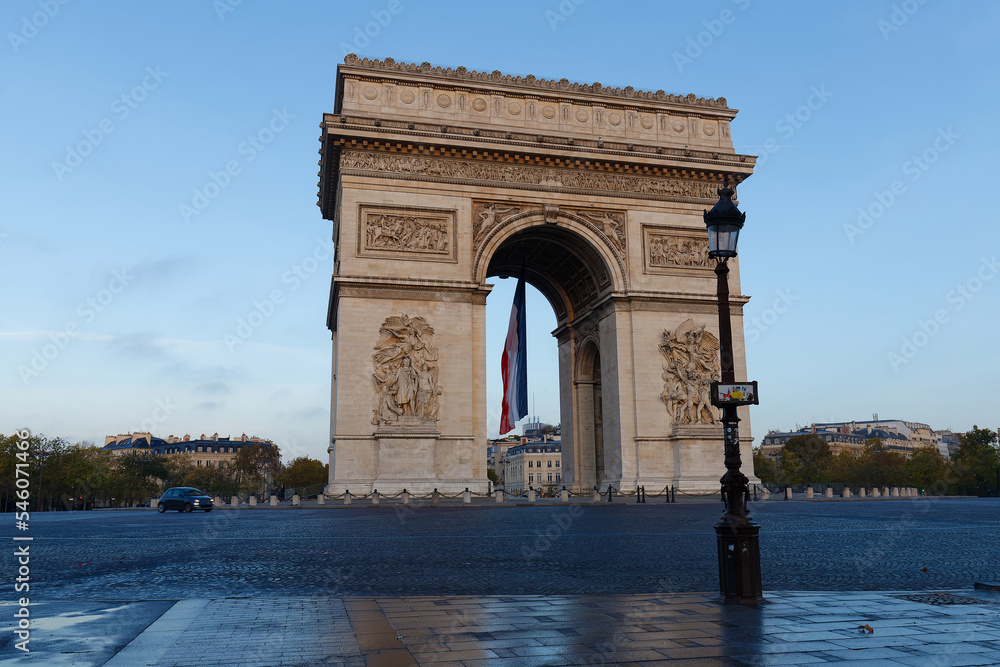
{"x":691,"y":363}
{"x":670,"y":250}
{"x":406,"y":371}
{"x":406,"y":232}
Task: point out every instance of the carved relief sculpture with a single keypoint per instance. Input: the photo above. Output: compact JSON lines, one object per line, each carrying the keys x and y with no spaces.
{"x":487,"y":216}
{"x":612,"y":224}
{"x":664,"y":251}
{"x":406,"y":232}
{"x":515,"y":173}
{"x":421,"y":233}
{"x":405,"y":372}
{"x":691,"y":363}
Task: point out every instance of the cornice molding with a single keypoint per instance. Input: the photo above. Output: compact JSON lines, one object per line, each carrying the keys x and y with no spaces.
{"x":532,"y":82}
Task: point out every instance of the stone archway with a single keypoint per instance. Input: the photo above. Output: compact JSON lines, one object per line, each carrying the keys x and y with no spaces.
{"x":436,"y":180}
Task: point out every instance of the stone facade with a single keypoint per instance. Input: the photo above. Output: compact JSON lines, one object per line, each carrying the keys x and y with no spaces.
{"x":436,"y":179}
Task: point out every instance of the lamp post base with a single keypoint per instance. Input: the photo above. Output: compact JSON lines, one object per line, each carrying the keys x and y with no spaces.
{"x":739,"y":560}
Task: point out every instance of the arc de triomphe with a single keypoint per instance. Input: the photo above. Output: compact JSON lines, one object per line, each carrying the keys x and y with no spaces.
{"x":436,"y":179}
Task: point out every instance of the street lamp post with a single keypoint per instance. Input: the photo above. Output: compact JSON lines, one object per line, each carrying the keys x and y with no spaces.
{"x":736,"y":533}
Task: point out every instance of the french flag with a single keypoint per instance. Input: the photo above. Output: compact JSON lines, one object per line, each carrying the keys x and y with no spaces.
{"x":514,"y":365}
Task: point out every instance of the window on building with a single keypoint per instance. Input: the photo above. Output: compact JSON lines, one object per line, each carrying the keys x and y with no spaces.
{"x":531,"y":478}
{"x":557,"y":464}
{"x":550,"y":477}
{"x":531,"y":464}
{"x":558,"y":476}
{"x":199,"y":449}
{"x":550,"y":463}
{"x":198,"y":462}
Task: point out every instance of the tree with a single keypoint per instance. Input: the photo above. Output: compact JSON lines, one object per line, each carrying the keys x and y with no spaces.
{"x":977,"y":461}
{"x":878,"y":466}
{"x":806,"y":459}
{"x":764,"y":467}
{"x":136,"y":475}
{"x":844,"y":468}
{"x":256,"y":466}
{"x":304,"y":471}
{"x":492,"y":475}
{"x":927,"y":470}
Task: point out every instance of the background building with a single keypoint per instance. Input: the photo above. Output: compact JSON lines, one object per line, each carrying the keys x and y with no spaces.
{"x":535,"y":465}
{"x":205,"y":451}
{"x":896,"y":435}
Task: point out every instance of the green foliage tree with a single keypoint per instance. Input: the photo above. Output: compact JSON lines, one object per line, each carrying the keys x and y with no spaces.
{"x":137,"y":475}
{"x":878,"y":466}
{"x":492,"y":475}
{"x":255,"y":467}
{"x":806,"y":459}
{"x":977,"y":461}
{"x":844,"y":468}
{"x":765,"y":468}
{"x":927,"y":470}
{"x":304,"y":471}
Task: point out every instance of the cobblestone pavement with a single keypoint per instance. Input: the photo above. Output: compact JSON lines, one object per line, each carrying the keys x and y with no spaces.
{"x":888,"y":544}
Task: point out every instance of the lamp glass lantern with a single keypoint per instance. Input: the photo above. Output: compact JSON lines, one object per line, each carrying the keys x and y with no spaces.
{"x":724,"y":223}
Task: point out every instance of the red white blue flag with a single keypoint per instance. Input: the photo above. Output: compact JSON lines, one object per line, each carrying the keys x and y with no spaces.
{"x":514,"y":365}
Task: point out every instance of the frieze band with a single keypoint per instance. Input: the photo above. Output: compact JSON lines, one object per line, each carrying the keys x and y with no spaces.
{"x":356,"y":160}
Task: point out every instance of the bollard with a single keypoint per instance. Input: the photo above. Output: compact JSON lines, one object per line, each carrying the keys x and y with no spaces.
{"x":531,"y":495}
{"x":829,"y":492}
{"x":375,"y":497}
{"x":274,"y":500}
{"x":405,"y":498}
{"x":347,"y":497}
{"x":611,"y":492}
{"x":295,"y":499}
{"x":846,"y":493}
{"x":435,"y":497}
{"x":498,"y":495}
{"x":253,"y":501}
{"x":875,"y":492}
{"x":861,"y":492}
{"x":152,"y":502}
{"x":597,"y":495}
{"x":321,"y":499}
{"x":765,"y":494}
{"x":673,"y":493}
{"x":885,"y":491}
{"x":235,"y":501}
{"x":809,"y":492}
{"x":788,"y":493}
{"x":894,"y":492}
{"x":467,"y":496}
{"x":564,"y":495}
{"x":643,"y":494}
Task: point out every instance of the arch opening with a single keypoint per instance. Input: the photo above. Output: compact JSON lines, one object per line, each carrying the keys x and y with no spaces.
{"x":575,"y":279}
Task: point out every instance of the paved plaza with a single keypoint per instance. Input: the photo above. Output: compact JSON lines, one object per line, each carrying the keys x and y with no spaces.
{"x":511,"y":585}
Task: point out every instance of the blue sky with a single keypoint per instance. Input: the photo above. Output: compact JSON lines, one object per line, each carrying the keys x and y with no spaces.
{"x":188,"y":212}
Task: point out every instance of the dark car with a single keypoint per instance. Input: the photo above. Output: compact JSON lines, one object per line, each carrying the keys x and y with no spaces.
{"x":184,"y":499}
